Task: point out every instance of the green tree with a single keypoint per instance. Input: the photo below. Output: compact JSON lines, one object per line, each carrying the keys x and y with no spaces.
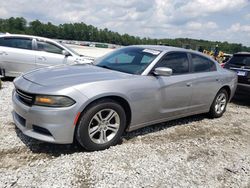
{"x":83,"y":32}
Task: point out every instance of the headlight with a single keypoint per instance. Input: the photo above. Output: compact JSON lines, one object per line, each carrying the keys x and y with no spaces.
{"x":53,"y":101}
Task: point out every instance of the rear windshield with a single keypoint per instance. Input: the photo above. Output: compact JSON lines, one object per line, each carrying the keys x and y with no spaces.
{"x":243,"y":60}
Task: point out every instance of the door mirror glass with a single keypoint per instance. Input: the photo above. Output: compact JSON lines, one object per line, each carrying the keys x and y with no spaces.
{"x":163,"y":71}
{"x":66,"y":53}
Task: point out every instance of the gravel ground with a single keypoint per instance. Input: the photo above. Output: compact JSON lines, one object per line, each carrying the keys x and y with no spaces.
{"x":190,"y":152}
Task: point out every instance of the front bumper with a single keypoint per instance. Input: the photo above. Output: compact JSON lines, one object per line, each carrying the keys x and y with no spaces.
{"x":55,"y":125}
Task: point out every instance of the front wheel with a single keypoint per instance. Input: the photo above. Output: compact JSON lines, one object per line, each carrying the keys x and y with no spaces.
{"x":101,"y":126}
{"x":219,"y":104}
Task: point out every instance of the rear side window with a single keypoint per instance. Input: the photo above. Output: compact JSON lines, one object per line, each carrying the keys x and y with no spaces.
{"x":1,"y":41}
{"x":177,"y":61}
{"x":202,"y":64}
{"x":242,"y":60}
{"x":22,"y":43}
{"x":48,"y":47}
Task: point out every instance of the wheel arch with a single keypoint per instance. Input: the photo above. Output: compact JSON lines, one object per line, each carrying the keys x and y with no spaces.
{"x":117,"y":98}
{"x":228,"y":90}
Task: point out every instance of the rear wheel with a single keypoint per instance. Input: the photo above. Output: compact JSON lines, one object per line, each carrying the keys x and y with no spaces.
{"x":101,"y":125}
{"x":219,"y":104}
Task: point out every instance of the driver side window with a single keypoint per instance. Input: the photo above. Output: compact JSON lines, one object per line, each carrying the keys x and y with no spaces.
{"x":48,"y":47}
{"x":177,"y":61}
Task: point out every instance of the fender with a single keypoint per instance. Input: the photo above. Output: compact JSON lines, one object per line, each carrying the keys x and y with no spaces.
{"x":103,"y":95}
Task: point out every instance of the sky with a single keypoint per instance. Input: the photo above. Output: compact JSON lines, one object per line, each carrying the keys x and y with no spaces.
{"x":216,"y":20}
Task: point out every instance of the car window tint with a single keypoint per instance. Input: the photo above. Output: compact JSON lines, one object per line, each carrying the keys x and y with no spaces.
{"x":1,"y":41}
{"x":48,"y":47}
{"x":178,"y":62}
{"x":242,"y":60}
{"x":133,"y":60}
{"x":22,"y":43}
{"x":147,"y":58}
{"x":122,"y":58}
{"x":202,"y":64}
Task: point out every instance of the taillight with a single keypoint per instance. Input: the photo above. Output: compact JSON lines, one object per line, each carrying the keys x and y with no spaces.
{"x":222,"y":65}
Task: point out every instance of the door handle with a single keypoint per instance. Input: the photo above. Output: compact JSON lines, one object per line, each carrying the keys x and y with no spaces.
{"x":189,"y":84}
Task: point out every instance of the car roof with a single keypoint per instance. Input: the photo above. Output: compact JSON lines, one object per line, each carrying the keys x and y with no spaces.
{"x":242,"y":53}
{"x":159,"y":47}
{"x":171,"y":49}
{"x":26,"y":36}
{"x":166,"y":48}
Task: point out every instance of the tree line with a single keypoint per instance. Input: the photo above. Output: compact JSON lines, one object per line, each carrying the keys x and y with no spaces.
{"x":83,"y":32}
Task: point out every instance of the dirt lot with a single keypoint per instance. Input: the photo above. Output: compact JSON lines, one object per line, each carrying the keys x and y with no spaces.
{"x":191,"y":152}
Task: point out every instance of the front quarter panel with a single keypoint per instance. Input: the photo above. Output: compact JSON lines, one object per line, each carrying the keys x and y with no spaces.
{"x":139,"y":92}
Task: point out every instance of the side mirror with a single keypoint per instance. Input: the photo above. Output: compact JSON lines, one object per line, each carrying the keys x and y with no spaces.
{"x":66,"y":53}
{"x":163,"y":71}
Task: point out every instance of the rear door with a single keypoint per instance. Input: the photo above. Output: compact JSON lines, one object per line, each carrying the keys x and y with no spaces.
{"x":16,"y":55}
{"x":206,"y":82}
{"x":48,"y":54}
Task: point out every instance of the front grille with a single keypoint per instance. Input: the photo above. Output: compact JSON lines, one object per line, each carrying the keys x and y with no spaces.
{"x":25,"y":97}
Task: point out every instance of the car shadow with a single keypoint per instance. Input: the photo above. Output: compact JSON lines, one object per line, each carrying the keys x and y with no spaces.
{"x":55,"y":150}
{"x":164,"y":125}
{"x":7,"y":79}
{"x":242,"y":99}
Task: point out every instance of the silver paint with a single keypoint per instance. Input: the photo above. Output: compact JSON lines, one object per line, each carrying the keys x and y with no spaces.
{"x":152,"y":99}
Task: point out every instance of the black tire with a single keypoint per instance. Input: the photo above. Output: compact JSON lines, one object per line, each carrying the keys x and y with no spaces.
{"x":213,"y":113}
{"x":82,"y":130}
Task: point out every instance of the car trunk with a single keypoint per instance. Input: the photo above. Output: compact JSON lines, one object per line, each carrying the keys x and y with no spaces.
{"x":240,"y":63}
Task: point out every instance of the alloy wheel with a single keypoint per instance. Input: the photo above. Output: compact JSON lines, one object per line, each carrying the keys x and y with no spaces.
{"x":104,"y":126}
{"x":221,"y":102}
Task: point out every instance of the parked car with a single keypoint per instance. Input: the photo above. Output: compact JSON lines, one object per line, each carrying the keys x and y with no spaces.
{"x":240,"y":63}
{"x":21,"y":53}
{"x":129,"y":88}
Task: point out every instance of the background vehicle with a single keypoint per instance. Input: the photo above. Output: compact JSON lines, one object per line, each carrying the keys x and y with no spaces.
{"x":127,"y":89}
{"x":240,"y":63}
{"x":21,"y":53}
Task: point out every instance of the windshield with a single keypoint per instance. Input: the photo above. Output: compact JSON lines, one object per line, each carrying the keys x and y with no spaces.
{"x":240,"y":60}
{"x":133,"y":60}
{"x":70,"y":49}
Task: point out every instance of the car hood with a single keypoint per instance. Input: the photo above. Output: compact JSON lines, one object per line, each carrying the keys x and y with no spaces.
{"x":70,"y":75}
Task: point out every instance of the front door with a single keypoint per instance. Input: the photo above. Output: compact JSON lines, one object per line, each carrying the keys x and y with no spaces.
{"x":48,"y":54}
{"x":175,"y":91}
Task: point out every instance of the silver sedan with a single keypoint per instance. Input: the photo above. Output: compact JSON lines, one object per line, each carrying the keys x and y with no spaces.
{"x":130,"y":88}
